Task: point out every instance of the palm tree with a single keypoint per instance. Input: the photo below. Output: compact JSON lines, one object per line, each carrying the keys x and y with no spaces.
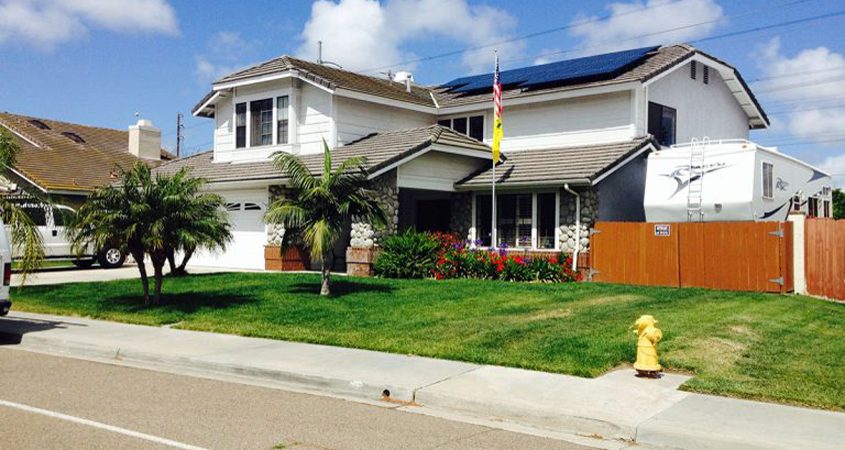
{"x":153,"y":216}
{"x":321,"y":206}
{"x":26,"y":240}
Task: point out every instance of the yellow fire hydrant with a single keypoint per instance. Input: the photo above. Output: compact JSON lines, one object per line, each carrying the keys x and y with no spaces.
{"x":648,"y":336}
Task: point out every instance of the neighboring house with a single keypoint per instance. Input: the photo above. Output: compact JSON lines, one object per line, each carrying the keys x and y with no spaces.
{"x":576,"y":133}
{"x":65,"y":162}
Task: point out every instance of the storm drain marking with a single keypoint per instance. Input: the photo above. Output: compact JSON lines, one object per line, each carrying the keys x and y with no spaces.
{"x":100,"y":425}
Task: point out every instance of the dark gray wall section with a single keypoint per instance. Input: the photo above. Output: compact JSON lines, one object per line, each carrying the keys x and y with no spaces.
{"x":621,"y":194}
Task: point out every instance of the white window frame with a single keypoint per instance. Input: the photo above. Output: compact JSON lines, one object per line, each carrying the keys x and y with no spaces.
{"x":467,"y":117}
{"x":534,"y":222}
{"x":273,"y":95}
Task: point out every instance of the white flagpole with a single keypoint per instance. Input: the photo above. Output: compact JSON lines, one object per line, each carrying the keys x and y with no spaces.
{"x":493,"y":243}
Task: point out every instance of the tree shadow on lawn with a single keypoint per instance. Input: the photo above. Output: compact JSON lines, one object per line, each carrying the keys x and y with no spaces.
{"x":185,"y":302}
{"x":342,"y":288}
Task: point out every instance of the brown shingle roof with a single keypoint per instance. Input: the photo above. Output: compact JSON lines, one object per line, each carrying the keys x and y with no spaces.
{"x":379,"y":150}
{"x":57,"y":163}
{"x":578,"y":164}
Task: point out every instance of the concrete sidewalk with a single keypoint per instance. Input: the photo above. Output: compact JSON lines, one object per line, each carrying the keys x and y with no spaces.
{"x":617,"y":407}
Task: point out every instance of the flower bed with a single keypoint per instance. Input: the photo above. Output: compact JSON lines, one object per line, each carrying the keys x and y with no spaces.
{"x":459,"y":260}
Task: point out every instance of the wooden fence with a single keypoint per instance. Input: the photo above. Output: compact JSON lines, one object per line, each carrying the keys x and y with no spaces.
{"x":824,"y":257}
{"x":743,"y":256}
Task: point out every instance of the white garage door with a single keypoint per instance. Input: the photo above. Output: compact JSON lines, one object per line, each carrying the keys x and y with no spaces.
{"x":246,"y":251}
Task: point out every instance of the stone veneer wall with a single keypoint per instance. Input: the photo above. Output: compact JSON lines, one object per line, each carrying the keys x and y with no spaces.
{"x":461,"y":220}
{"x":275,"y":233}
{"x":364,"y":234}
{"x":589,"y":211}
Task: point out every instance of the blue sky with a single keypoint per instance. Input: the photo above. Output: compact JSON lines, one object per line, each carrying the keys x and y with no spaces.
{"x":98,"y":62}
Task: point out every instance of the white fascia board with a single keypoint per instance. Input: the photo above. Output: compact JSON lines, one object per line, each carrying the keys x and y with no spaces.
{"x":462,"y":151}
{"x":434,"y":147}
{"x":729,"y":75}
{"x":252,"y":80}
{"x":13,"y":131}
{"x":348,"y":93}
{"x":511,"y":186}
{"x":648,"y":147}
{"x":18,"y":173}
{"x":541,"y":97}
{"x":211,"y":100}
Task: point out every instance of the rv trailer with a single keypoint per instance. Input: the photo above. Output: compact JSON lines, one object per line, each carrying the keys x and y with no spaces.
{"x":731,"y":180}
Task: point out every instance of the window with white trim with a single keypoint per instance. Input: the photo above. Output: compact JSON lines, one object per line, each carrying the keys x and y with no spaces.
{"x":472,"y":126}
{"x":240,"y":125}
{"x":261,"y":122}
{"x":768,"y":180}
{"x":282,"y":104}
{"x":523,"y":220}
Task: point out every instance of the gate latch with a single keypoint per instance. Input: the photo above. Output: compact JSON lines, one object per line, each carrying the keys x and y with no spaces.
{"x":778,"y":280}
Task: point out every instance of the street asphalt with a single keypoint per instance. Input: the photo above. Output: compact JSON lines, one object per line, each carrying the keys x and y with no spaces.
{"x":54,"y":402}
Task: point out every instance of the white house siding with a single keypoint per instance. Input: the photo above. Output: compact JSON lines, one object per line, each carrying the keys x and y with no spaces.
{"x":249,"y":235}
{"x":436,"y":171}
{"x":702,"y":109}
{"x":224,"y":134}
{"x":356,"y":119}
{"x":560,"y":123}
{"x":315,"y":124}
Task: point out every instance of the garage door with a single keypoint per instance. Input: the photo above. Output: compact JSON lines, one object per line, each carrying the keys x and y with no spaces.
{"x":246,"y":251}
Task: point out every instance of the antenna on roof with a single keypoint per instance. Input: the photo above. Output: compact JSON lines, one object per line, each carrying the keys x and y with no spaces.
{"x":320,"y":57}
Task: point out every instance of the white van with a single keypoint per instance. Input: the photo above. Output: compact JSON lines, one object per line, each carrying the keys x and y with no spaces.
{"x":50,"y":221}
{"x":6,"y":262}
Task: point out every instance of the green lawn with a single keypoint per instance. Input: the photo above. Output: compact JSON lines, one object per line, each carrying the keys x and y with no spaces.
{"x":771,"y":347}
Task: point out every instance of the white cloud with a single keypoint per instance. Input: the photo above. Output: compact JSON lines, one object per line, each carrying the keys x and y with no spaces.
{"x":801,"y":82}
{"x":835,"y":165}
{"x":227,"y":52}
{"x":630,"y":22}
{"x":47,"y":23}
{"x":366,"y":34}
{"x":547,"y":55}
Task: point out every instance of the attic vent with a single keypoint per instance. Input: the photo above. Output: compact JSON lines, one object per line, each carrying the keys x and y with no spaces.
{"x":73,"y":137}
{"x":39,"y":124}
{"x":692,"y":70}
{"x":706,"y":75}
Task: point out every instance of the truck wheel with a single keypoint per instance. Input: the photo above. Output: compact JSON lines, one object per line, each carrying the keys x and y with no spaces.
{"x":111,"y":258}
{"x":83,"y":263}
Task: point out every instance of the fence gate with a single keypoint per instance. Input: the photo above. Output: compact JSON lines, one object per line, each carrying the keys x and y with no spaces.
{"x":824,"y":257}
{"x":743,"y":256}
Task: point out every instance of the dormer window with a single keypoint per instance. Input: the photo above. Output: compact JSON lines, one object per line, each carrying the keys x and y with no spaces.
{"x":73,"y":137}
{"x":39,"y":124}
{"x":472,"y":126}
{"x":261,"y":126}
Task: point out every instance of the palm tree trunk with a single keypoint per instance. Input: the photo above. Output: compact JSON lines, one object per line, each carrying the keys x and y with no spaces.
{"x":159,"y":276}
{"x":326,"y":270}
{"x":139,"y":259}
{"x":171,"y":260}
{"x":181,"y":270}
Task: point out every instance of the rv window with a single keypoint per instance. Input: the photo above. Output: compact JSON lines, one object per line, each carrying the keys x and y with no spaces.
{"x":796,"y":203}
{"x":768,"y":183}
{"x":662,"y":123}
{"x":692,"y":70}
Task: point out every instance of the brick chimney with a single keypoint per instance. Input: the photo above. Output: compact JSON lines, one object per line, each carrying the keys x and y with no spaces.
{"x":145,"y":140}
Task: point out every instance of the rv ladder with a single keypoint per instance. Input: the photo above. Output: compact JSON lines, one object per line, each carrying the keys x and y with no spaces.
{"x":696,"y":179}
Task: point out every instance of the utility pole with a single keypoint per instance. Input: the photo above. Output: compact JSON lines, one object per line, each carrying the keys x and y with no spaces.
{"x":179,"y":137}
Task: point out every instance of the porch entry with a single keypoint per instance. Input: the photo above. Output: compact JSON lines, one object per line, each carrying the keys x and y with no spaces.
{"x":425,"y":210}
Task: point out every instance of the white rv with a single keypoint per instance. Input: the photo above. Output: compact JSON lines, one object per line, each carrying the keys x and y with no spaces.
{"x":731,"y":180}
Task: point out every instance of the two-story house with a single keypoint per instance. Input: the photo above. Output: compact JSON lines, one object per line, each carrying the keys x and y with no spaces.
{"x":576,"y":136}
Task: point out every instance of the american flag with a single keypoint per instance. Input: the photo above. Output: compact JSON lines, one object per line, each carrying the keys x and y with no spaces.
{"x":498,"y":130}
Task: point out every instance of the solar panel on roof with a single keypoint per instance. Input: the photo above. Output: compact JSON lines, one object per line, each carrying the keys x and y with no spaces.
{"x":553,"y":73}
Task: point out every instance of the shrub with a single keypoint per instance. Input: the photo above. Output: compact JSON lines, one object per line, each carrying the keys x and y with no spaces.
{"x":409,"y":254}
{"x":461,"y":262}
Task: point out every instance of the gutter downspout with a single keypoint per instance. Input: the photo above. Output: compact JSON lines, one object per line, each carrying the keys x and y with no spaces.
{"x":577,"y":226}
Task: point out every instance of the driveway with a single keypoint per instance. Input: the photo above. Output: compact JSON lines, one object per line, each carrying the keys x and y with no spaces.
{"x":75,"y":275}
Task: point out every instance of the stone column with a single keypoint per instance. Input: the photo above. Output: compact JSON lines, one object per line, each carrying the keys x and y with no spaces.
{"x":364,"y":236}
{"x":461,"y":220}
{"x":589,"y":210}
